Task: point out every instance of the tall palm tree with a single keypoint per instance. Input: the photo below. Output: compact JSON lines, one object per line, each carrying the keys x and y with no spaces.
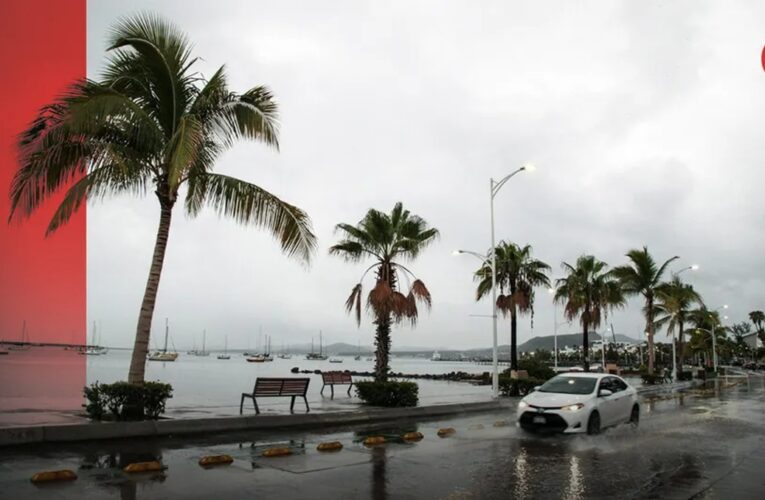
{"x":517,"y":273}
{"x":643,"y":277}
{"x":758,"y":318}
{"x":386,"y":239}
{"x":152,"y":122}
{"x":674,"y":302}
{"x":589,"y":290}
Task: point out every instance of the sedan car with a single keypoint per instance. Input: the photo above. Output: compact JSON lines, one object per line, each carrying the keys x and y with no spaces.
{"x":579,"y":402}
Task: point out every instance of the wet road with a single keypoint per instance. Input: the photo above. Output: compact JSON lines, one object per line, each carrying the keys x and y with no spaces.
{"x":702,"y":444}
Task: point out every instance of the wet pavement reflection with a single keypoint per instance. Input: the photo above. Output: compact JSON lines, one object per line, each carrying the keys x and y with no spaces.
{"x":687,"y":444}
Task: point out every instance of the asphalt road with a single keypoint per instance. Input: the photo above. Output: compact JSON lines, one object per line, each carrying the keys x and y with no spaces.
{"x":701,"y":444}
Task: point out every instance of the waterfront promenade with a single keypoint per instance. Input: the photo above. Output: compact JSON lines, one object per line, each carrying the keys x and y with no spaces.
{"x":677,"y":452}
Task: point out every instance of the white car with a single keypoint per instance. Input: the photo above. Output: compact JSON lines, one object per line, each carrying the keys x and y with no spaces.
{"x":579,"y":402}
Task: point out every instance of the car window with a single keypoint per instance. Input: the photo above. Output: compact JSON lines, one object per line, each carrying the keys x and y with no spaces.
{"x":563,"y":384}
{"x":619,"y":384}
{"x":605,"y":383}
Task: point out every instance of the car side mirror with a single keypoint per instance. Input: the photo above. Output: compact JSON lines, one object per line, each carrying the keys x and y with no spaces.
{"x":536,"y":388}
{"x":604,"y":392}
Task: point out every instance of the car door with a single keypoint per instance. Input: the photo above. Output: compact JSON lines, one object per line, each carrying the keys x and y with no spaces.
{"x":622,"y":399}
{"x":607,"y":404}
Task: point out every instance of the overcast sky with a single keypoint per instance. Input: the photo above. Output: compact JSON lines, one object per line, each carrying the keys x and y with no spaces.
{"x":645,"y":121}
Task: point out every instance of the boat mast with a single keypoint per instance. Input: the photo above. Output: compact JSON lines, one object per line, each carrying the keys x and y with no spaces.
{"x":204,"y":334}
{"x":94,"y":334}
{"x":167,"y":332}
{"x":320,"y":344}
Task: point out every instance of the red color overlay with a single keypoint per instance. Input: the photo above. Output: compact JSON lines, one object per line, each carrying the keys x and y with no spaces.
{"x":42,"y":280}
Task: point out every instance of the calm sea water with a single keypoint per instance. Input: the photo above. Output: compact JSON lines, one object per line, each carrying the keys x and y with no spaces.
{"x":52,"y":379}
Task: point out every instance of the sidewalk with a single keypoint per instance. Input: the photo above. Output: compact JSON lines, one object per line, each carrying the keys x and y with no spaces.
{"x":346,"y":412}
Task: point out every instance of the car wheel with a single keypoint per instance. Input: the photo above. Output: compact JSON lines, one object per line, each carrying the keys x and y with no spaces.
{"x":593,"y":424}
{"x":635,"y":416}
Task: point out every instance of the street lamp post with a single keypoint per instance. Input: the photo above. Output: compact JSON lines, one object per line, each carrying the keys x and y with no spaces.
{"x":693,"y":267}
{"x":555,"y":327}
{"x":494,"y":187}
{"x":494,"y":354}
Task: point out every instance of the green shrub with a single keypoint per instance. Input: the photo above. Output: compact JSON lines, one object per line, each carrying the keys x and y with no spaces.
{"x":536,"y":368}
{"x":517,"y":386}
{"x":126,"y":401}
{"x":390,"y":394}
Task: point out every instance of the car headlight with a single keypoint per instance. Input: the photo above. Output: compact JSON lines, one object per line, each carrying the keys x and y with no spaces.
{"x":574,"y":407}
{"x":522,"y":404}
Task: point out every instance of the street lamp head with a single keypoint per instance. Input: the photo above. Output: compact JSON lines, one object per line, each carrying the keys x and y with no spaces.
{"x":551,"y":290}
{"x":695,"y":267}
{"x":529,"y":167}
{"x":725,"y":306}
{"x":456,"y":252}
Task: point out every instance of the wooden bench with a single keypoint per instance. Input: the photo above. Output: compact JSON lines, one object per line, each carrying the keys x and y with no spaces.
{"x":277,"y":387}
{"x":336,"y":378}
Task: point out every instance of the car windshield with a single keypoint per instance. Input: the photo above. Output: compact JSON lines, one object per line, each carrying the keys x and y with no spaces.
{"x":569,"y":385}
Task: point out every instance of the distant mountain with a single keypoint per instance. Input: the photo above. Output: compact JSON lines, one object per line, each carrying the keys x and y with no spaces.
{"x":570,"y":339}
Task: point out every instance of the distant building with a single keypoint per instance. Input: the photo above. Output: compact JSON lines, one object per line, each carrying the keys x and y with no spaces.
{"x":752,"y":340}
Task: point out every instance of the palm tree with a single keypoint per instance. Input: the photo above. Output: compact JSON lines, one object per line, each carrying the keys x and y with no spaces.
{"x":153,"y":122}
{"x":643,"y":277}
{"x":674,"y":302}
{"x":758,"y":318}
{"x":589,"y":290}
{"x":386,"y":238}
{"x":706,"y":323}
{"x":517,"y":273}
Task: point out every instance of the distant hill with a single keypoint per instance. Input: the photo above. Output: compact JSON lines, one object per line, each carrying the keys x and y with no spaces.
{"x":570,"y":339}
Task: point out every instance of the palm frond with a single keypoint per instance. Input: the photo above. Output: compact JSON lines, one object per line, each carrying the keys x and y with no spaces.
{"x":250,"y":204}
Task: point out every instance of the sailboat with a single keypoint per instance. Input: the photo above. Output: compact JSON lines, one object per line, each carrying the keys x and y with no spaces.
{"x":24,"y":346}
{"x":203,"y":352}
{"x":225,"y":350}
{"x":284,"y":355}
{"x":163,"y":355}
{"x":357,"y":357}
{"x":265,"y":356}
{"x":94,"y":349}
{"x":314,"y":356}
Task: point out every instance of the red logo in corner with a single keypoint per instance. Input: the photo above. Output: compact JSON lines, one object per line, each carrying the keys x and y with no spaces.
{"x":763,"y":58}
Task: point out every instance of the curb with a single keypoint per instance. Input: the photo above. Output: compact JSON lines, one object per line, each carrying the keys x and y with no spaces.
{"x":10,"y":436}
{"x":658,"y":389}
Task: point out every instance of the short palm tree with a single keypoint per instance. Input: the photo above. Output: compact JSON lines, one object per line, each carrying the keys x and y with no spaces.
{"x":517,"y":274}
{"x":386,"y":239}
{"x":673,"y":304}
{"x":153,"y":123}
{"x":704,"y":322}
{"x":643,"y":277}
{"x":590,"y":291}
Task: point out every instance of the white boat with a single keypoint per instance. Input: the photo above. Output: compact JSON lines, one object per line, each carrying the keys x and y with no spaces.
{"x":335,"y":360}
{"x":436,"y":356}
{"x":203,"y":352}
{"x":94,"y":349}
{"x":163,"y":355}
{"x":320,"y":356}
{"x":24,"y":346}
{"x":225,"y":350}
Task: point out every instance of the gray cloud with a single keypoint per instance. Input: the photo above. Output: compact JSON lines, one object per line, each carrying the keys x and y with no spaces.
{"x":643,"y":118}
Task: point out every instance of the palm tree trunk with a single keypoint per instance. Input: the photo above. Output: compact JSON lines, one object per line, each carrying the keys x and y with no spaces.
{"x":585,"y":346}
{"x":681,"y":345}
{"x":513,"y":339}
{"x":650,"y":330}
{"x":382,"y":348}
{"x":143,"y":330}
